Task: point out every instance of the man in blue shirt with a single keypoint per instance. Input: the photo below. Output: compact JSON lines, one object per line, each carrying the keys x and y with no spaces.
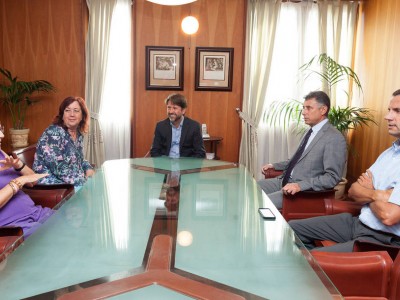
{"x":177,"y":136}
{"x":378,"y":188}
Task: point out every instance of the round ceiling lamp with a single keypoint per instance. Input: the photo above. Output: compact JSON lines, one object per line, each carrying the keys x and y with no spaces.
{"x":184,"y":238}
{"x":172,"y":2}
{"x":190,"y":25}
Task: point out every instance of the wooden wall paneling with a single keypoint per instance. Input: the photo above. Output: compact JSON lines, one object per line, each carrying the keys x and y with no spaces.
{"x":154,"y":27}
{"x":2,"y":20}
{"x":221,"y":25}
{"x":382,"y":27}
{"x":44,"y":39}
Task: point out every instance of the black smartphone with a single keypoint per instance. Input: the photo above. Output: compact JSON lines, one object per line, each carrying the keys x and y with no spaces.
{"x":266,"y":213}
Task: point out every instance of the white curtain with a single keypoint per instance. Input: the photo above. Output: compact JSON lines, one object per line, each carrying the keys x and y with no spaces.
{"x":262,"y":18}
{"x":337,"y":29}
{"x":303,"y":30}
{"x":115,"y":113}
{"x":108,"y":80}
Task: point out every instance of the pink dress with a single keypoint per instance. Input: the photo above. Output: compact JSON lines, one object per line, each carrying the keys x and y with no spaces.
{"x":20,"y":210}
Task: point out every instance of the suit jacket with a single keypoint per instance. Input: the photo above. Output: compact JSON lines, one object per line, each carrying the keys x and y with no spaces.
{"x":190,"y":145}
{"x":322,"y":163}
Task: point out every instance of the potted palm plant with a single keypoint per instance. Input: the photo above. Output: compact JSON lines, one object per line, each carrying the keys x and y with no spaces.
{"x":330,"y":74}
{"x":14,"y":94}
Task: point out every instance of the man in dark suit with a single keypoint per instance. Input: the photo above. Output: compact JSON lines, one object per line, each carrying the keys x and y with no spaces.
{"x":318,"y":162}
{"x":177,"y":136}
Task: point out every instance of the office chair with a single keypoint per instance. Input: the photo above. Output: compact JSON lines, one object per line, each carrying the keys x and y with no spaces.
{"x":48,"y":195}
{"x":26,"y":155}
{"x":358,"y":275}
{"x":307,"y":204}
{"x":10,"y":239}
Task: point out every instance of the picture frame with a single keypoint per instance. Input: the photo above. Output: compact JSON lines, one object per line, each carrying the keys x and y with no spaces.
{"x":213,"y":69}
{"x":210,"y":199}
{"x":155,"y":192}
{"x":164,"y":68}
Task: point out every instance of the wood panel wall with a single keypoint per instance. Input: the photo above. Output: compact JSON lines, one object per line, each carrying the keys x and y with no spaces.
{"x":43,"y":39}
{"x":382,"y":78}
{"x":222,"y":24}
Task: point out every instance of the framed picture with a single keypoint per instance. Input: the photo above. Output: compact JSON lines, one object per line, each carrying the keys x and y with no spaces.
{"x":164,"y":68}
{"x":210,"y":198}
{"x":155,"y":195}
{"x":214,"y":69}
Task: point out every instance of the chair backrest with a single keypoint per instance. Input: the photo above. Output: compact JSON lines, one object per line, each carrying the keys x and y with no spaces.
{"x":395,"y":280}
{"x":364,"y":246}
{"x":272,"y":173}
{"x":336,"y":206}
{"x":26,"y":155}
{"x":305,"y":204}
{"x":49,"y":195}
{"x":10,"y":239}
{"x":357,"y":274}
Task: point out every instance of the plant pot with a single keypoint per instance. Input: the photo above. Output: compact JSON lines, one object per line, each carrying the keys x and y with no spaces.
{"x":340,"y":188}
{"x":19,"y":137}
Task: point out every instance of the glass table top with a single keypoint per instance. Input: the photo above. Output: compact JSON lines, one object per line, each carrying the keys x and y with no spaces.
{"x":191,"y":226}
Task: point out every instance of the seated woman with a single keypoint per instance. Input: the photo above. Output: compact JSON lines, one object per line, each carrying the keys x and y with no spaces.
{"x":59,"y":151}
{"x":16,"y":207}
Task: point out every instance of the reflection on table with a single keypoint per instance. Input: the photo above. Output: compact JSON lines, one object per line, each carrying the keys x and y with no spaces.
{"x":190,"y":225}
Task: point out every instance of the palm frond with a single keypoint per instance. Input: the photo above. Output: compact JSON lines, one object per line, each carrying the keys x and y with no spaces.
{"x":14,"y":94}
{"x":346,"y":118}
{"x":284,"y":113}
{"x":329,"y":71}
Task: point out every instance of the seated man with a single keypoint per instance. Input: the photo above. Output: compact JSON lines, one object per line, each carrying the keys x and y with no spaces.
{"x":318,"y":162}
{"x":177,"y":136}
{"x":378,"y":188}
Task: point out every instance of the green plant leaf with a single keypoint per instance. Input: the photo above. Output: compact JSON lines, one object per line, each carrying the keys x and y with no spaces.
{"x":14,"y":94}
{"x":330,"y":73}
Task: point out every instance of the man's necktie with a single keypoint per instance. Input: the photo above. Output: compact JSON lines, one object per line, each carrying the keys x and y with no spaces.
{"x":295,"y":158}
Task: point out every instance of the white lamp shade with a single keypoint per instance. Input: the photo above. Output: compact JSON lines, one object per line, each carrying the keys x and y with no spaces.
{"x":184,"y":238}
{"x":172,"y":2}
{"x":190,"y":25}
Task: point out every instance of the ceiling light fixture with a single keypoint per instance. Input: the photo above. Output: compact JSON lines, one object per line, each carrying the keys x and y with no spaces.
{"x":190,"y":25}
{"x":172,"y":2}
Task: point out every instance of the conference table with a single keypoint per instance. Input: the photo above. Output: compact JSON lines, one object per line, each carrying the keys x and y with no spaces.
{"x":162,"y":228}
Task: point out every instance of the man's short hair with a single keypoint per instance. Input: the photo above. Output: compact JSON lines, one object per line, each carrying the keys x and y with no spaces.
{"x":177,"y":99}
{"x":321,"y":97}
{"x":396,"y":93}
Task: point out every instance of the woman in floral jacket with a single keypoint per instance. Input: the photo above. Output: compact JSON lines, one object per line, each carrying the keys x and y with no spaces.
{"x":59,"y":151}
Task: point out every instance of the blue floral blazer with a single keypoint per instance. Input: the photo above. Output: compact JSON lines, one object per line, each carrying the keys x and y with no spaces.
{"x":58,"y":155}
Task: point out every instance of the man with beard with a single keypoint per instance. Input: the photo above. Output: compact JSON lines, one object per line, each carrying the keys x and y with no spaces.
{"x":177,"y":136}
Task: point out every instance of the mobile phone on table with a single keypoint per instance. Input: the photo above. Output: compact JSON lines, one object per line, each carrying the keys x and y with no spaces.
{"x":266,"y":213}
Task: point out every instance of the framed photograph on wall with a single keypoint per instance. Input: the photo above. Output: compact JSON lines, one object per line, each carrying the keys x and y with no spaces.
{"x":164,"y":68}
{"x":210,"y":198}
{"x":213,"y":69}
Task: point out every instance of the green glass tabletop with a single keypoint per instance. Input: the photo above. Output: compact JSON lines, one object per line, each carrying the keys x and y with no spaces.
{"x":160,"y":227}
